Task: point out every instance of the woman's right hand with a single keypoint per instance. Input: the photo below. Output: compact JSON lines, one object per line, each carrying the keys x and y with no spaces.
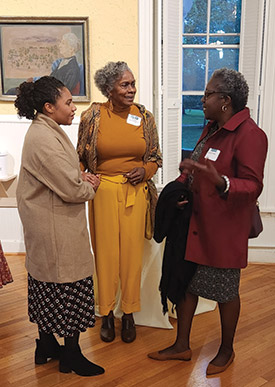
{"x":94,"y":180}
{"x":208,"y":169}
{"x":182,"y":202}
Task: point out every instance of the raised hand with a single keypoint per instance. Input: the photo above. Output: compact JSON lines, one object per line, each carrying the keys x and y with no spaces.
{"x":208,"y":169}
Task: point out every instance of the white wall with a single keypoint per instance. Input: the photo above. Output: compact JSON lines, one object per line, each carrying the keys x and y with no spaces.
{"x":12,"y":133}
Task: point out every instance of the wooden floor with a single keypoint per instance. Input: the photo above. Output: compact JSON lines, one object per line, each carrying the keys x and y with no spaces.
{"x":127,"y":364}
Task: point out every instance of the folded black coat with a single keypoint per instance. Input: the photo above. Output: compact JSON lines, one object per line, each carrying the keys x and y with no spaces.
{"x":172,"y":222}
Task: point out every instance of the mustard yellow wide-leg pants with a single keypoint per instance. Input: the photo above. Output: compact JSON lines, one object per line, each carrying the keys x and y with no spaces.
{"x":117,"y":224}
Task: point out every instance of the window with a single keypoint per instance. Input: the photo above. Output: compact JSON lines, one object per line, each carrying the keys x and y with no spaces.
{"x":210,"y":40}
{"x":191,"y":39}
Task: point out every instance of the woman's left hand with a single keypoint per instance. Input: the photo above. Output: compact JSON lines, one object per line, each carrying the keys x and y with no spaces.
{"x":136,"y":175}
{"x":94,"y":180}
{"x":208,"y":169}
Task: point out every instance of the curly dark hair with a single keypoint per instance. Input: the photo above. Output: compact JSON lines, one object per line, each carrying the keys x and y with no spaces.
{"x":233,"y":84}
{"x":106,"y":77}
{"x":32,"y":96}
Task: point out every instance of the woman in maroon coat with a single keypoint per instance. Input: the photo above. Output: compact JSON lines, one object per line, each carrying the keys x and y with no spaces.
{"x":225,"y":175}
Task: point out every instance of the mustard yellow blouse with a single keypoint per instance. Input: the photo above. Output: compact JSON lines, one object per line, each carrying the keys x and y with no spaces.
{"x":121,"y":143}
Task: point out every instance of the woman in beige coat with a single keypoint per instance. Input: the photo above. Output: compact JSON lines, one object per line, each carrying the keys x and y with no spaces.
{"x":51,"y":197}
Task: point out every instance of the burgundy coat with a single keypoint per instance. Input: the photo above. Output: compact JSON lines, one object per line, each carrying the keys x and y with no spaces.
{"x":220,"y":225}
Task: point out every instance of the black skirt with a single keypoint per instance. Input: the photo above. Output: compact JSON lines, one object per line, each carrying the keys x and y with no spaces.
{"x":217,"y":284}
{"x":61,"y":308}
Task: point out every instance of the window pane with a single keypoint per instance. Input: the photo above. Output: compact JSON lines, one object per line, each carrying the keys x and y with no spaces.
{"x":193,"y":69}
{"x":194,"y":16}
{"x":225,"y":39}
{"x":194,"y":40}
{"x":225,"y":16}
{"x":223,"y":57}
{"x":193,"y":120}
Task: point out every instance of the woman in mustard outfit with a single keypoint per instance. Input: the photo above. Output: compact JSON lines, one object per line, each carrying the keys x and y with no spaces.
{"x":118,"y":139}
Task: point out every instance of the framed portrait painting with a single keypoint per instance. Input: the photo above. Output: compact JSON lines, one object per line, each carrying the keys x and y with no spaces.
{"x":33,"y":47}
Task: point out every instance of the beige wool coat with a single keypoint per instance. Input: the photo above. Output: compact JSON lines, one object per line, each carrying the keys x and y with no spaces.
{"x":51,"y":202}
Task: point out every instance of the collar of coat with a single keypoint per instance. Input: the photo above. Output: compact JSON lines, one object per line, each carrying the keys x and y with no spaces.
{"x":234,"y":121}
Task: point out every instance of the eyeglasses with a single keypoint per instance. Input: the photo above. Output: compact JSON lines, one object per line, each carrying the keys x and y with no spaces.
{"x":208,"y":93}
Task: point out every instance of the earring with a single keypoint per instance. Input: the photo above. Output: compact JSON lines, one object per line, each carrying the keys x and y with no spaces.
{"x":224,"y":108}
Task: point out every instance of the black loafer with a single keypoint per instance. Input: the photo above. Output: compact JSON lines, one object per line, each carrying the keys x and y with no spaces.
{"x":107,"y":331}
{"x":128,"y":330}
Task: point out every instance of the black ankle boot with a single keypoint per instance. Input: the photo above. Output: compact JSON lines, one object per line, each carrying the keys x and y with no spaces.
{"x":46,"y":349}
{"x":73,"y":360}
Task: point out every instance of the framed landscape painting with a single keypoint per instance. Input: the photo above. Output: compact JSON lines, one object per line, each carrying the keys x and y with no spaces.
{"x":33,"y":47}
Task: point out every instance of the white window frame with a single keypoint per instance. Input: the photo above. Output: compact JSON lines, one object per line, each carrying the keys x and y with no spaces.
{"x":160,"y":64}
{"x":207,"y":46}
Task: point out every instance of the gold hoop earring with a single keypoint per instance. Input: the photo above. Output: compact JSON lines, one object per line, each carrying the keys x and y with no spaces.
{"x":224,"y":108}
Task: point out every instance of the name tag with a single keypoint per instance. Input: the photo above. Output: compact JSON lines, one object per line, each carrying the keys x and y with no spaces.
{"x":212,"y":154}
{"x":133,"y":120}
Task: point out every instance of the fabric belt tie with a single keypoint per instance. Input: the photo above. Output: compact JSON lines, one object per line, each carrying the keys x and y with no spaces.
{"x":120,"y":179}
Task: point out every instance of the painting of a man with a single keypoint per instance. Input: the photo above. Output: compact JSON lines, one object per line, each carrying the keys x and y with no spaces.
{"x":29,"y":53}
{"x":66,"y":68}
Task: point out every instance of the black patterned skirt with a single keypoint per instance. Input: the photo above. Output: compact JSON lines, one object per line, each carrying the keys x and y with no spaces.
{"x":217,"y":284}
{"x":61,"y":308}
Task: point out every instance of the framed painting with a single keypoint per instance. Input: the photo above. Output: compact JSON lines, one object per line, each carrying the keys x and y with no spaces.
{"x":33,"y":47}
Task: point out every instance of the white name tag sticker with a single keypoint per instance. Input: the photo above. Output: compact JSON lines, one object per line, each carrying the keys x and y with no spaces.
{"x":212,"y":154}
{"x":133,"y":120}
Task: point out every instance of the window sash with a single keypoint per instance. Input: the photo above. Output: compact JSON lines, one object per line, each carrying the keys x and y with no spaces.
{"x":170,"y":125}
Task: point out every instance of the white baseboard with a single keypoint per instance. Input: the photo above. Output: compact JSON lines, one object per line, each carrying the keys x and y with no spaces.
{"x":13,"y":246}
{"x":261,"y":255}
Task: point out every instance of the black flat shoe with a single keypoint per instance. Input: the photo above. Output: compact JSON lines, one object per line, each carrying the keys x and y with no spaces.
{"x":128,"y":330}
{"x":107,"y":331}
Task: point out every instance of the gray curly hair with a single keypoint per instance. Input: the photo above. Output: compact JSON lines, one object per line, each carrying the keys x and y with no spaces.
{"x":233,"y":84}
{"x":106,"y":77}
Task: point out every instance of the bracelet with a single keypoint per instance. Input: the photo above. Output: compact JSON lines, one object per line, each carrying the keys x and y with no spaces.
{"x":227,"y":182}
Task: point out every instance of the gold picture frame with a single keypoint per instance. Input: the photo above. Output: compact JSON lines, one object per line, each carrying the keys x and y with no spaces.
{"x":31,"y":47}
